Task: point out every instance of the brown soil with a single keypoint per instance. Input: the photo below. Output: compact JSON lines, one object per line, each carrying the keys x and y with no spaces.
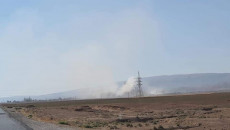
{"x":195,"y":112}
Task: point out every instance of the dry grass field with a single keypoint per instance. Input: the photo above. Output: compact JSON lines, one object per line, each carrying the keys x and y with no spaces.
{"x":195,"y":112}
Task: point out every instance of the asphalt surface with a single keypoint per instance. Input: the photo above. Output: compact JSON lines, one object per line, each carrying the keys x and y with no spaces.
{"x":7,"y":123}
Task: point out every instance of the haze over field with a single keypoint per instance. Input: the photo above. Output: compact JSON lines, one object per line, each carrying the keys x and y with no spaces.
{"x":56,"y":46}
{"x":152,"y":86}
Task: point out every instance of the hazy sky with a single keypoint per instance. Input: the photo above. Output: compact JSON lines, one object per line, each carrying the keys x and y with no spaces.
{"x":56,"y":45}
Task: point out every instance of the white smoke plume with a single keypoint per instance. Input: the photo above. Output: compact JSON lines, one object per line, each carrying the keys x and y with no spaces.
{"x":81,"y":53}
{"x":128,"y":87}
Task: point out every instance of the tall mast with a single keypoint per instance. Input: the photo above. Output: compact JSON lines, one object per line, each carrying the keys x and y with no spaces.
{"x":139,"y":86}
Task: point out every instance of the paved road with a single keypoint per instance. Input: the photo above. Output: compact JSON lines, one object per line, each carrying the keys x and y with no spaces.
{"x":7,"y":123}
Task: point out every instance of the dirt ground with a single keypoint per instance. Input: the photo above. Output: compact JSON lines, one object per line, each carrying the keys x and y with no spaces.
{"x":195,"y":112}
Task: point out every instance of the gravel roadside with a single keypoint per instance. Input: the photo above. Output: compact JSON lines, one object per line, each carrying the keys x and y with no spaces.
{"x":32,"y":124}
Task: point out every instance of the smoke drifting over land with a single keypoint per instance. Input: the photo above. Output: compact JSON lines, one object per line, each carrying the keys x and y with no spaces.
{"x":86,"y":52}
{"x":129,"y":86}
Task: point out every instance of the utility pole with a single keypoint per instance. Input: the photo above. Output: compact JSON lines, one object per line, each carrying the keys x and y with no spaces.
{"x":139,"y":86}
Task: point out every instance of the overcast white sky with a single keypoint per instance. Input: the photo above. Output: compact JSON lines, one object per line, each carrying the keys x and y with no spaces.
{"x":51,"y":46}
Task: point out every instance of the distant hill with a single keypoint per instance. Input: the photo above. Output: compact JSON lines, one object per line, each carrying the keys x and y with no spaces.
{"x":188,"y":83}
{"x":157,"y":85}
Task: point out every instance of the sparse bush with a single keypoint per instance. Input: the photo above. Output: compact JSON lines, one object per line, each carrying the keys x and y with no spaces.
{"x":207,"y":108}
{"x":160,"y":127}
{"x":78,"y":109}
{"x":98,"y":124}
{"x":30,"y":116}
{"x":155,"y":122}
{"x":30,"y":106}
{"x":88,"y":126}
{"x":140,"y":125}
{"x":113,"y":127}
{"x":18,"y":108}
{"x":63,"y":123}
{"x":94,"y":124}
{"x":129,"y":125}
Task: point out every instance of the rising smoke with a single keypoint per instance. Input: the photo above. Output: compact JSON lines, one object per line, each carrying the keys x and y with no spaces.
{"x":74,"y":54}
{"x":128,"y":87}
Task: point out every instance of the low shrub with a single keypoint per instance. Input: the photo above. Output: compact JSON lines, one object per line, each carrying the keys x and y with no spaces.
{"x":129,"y":125}
{"x":63,"y":123}
{"x":30,"y":116}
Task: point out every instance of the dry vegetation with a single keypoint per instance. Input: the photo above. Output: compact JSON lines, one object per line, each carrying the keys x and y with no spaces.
{"x":197,"y":112}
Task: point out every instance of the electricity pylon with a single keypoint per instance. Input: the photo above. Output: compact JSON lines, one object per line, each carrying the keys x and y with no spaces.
{"x":139,"y":86}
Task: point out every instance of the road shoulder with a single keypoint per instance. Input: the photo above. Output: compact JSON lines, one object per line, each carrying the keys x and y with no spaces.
{"x":30,"y":124}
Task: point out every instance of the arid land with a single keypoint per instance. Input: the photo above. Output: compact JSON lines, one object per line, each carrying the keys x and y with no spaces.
{"x":194,"y":112}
